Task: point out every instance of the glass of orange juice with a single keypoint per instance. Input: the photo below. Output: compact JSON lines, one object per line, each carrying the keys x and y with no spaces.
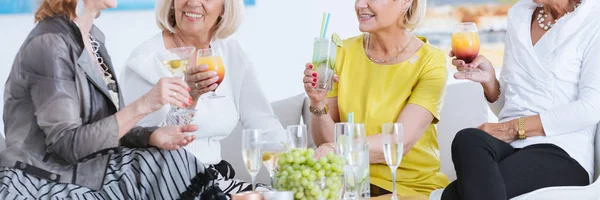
{"x":465,"y":41}
{"x":212,"y":57}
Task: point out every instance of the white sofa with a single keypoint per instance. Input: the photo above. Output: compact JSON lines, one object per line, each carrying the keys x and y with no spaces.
{"x":464,"y":108}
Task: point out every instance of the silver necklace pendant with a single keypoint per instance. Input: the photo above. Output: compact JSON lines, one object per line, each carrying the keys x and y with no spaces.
{"x":543,"y":20}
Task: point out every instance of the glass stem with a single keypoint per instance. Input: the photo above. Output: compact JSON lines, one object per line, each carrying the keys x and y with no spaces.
{"x":253,"y":182}
{"x":394,"y":195}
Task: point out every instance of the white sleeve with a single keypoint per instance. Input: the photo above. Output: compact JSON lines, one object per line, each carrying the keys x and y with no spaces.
{"x":585,"y":112}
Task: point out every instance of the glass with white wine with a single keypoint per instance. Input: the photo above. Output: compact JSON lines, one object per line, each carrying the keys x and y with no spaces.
{"x":393,"y":148}
{"x":177,"y":61}
{"x":270,"y":155}
{"x":251,"y":152}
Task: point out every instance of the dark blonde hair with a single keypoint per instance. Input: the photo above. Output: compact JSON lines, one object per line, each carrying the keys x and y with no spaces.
{"x":415,"y":14}
{"x":51,"y":8}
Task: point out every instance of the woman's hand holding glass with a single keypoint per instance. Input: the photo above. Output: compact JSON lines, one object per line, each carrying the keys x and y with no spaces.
{"x":317,"y":97}
{"x":201,"y":80}
{"x":172,"y":137}
{"x":480,"y":70}
{"x":168,"y":90}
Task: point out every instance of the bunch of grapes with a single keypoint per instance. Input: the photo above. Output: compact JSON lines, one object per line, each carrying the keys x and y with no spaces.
{"x":308,"y":177}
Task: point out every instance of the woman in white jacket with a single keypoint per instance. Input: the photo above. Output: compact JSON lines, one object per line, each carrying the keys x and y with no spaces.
{"x":547,"y":99}
{"x":204,"y":24}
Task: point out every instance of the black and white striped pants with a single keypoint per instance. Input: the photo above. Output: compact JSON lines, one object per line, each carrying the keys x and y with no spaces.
{"x":147,"y":173}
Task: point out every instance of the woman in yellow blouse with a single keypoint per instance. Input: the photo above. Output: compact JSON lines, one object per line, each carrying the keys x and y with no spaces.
{"x":387,"y":75}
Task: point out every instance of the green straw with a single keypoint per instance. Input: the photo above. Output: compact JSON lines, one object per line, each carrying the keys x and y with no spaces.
{"x":323,"y":24}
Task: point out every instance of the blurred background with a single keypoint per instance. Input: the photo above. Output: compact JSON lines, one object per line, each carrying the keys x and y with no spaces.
{"x":277,"y":34}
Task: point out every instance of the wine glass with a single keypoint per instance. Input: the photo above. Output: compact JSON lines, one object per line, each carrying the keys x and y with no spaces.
{"x":251,"y":152}
{"x":177,"y":61}
{"x":393,"y":147}
{"x":297,"y":135}
{"x":271,"y":148}
{"x":465,"y":41}
{"x":213,"y":58}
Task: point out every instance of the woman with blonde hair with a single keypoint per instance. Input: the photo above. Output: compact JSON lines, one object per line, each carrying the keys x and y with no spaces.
{"x":69,"y":134}
{"x":205,"y":25}
{"x":386,"y":75}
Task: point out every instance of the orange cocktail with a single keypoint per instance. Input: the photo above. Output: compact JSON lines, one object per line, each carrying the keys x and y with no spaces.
{"x":465,"y":42}
{"x":212,"y":58}
{"x":215,"y":63}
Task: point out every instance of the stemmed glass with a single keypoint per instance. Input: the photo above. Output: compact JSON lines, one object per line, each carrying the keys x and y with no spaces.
{"x":213,"y":58}
{"x":177,"y":61}
{"x":251,"y":152}
{"x":465,"y":42}
{"x":393,"y":147}
{"x":297,"y":135}
{"x":271,"y":148}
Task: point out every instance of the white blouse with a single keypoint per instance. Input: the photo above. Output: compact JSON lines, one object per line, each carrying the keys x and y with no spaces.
{"x":244,"y":101}
{"x":558,"y":78}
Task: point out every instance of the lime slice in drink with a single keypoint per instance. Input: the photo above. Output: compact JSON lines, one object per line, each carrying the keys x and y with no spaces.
{"x":336,"y":40}
{"x":175,"y":64}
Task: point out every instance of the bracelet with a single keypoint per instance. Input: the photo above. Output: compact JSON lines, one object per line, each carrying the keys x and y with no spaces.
{"x":521,"y":129}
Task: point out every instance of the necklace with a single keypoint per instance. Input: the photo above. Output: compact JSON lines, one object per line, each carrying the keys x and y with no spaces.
{"x":175,"y":40}
{"x":542,"y":17}
{"x":388,"y":60}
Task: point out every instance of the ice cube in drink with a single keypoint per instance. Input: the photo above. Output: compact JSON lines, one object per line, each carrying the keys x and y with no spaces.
{"x":324,"y":55}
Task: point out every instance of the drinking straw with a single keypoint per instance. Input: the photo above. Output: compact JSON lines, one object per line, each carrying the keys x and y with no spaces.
{"x":351,"y":117}
{"x":326,"y":25}
{"x":323,"y":24}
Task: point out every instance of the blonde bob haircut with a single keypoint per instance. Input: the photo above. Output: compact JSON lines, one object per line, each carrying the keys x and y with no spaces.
{"x":227,"y":24}
{"x":414,"y":14}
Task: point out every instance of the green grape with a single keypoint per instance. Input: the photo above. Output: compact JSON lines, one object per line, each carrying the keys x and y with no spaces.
{"x":325,"y":192}
{"x":312,"y":177}
{"x":311,"y":162}
{"x":296,"y":154}
{"x":281,"y":161}
{"x":330,"y":156}
{"x":300,"y":160}
{"x":317,"y":166}
{"x":284,"y":173}
{"x":299,"y":195}
{"x":327,"y":166}
{"x":323,"y":160}
{"x":321,"y":174}
{"x":306,"y":172}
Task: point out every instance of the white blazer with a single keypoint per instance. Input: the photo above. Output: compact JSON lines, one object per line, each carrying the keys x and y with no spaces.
{"x":558,"y":78}
{"x":244,"y":101}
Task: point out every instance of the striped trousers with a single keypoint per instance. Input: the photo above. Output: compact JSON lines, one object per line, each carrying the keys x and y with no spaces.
{"x":147,"y":173}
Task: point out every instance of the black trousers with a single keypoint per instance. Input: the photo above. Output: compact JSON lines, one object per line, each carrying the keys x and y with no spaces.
{"x":490,"y":169}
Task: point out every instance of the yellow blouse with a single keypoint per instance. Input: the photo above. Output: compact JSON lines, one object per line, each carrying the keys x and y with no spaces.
{"x":378,"y":93}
